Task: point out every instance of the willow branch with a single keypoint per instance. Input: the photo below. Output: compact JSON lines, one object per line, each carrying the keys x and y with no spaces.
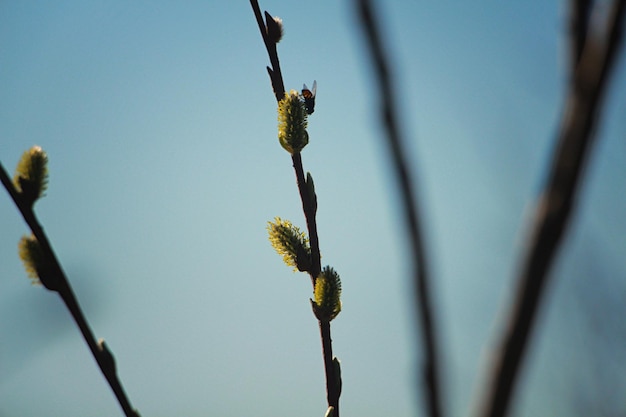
{"x":100,"y":352}
{"x":333,"y":391}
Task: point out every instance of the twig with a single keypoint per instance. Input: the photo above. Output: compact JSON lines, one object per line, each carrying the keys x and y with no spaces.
{"x":333,"y":391}
{"x":555,"y":206}
{"x":275,"y":73}
{"x":309,"y":213}
{"x":424,"y":311}
{"x":100,"y":352}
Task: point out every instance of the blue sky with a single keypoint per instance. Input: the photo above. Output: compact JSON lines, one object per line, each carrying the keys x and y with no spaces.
{"x":160,"y":126}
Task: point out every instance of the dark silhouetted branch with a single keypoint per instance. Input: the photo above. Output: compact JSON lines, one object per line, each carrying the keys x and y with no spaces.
{"x":580,"y":13}
{"x":555,"y":205}
{"x":424,"y":311}
{"x":309,"y":207}
{"x":101,"y":353}
{"x":274,"y":72}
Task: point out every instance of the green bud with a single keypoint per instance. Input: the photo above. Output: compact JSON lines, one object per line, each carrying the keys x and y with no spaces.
{"x":31,"y":175}
{"x":327,"y":295}
{"x":292,"y":123}
{"x":291,"y":243}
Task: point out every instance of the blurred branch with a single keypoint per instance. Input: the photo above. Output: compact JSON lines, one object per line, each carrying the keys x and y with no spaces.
{"x":424,"y":310}
{"x":555,"y":206}
{"x":580,"y":13}
{"x":101,"y":353}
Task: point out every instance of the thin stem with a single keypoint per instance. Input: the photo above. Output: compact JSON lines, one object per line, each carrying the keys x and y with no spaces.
{"x":424,"y":310}
{"x":275,"y":73}
{"x":108,"y":369}
{"x":308,"y":206}
{"x":554,"y":208}
{"x":8,"y":185}
{"x":67,"y":295}
{"x":309,"y":214}
{"x":332,"y":389}
{"x":580,"y":13}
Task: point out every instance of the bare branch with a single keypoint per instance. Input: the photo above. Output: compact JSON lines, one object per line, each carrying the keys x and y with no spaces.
{"x":580,"y":12}
{"x":554,"y":207}
{"x":424,"y":311}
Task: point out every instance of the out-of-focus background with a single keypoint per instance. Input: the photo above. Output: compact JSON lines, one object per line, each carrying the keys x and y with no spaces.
{"x":160,"y":126}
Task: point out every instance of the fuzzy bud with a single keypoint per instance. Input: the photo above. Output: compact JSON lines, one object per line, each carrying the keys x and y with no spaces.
{"x":292,"y":122}
{"x":274,"y":27}
{"x":36,"y":263}
{"x":327,"y":295}
{"x":31,"y":175}
{"x":291,"y":243}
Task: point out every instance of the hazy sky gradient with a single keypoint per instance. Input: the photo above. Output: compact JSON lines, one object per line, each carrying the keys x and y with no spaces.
{"x":160,"y":125}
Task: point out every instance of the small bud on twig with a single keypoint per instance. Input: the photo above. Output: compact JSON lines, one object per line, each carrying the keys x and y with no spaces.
{"x":337,"y":368}
{"x":310,"y":186}
{"x":274,"y":27}
{"x":107,"y":357}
